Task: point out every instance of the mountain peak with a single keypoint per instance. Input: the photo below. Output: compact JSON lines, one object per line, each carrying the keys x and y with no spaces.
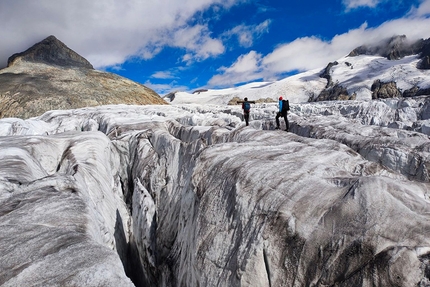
{"x":392,"y":48}
{"x":51,"y":51}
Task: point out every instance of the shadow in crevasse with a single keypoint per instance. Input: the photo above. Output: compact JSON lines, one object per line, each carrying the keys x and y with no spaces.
{"x":129,"y":255}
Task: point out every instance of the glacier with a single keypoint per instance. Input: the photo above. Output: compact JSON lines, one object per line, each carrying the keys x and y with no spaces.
{"x":187,"y":195}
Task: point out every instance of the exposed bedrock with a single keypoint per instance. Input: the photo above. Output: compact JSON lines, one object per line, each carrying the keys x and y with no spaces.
{"x":382,"y":90}
{"x":334,"y":93}
{"x":326,"y":74}
{"x":415,"y":92}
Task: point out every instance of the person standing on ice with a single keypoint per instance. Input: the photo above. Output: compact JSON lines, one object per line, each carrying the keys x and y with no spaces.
{"x":246,"y":106}
{"x":284,"y":107}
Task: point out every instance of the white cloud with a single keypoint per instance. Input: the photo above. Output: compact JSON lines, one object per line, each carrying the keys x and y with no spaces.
{"x":352,"y":4}
{"x":107,"y":32}
{"x":301,"y":54}
{"x":244,"y":63}
{"x":247,"y":33}
{"x":164,"y":89}
{"x":312,"y":52}
{"x":244,"y":69}
{"x":422,"y":10}
{"x":197,"y":41}
{"x":163,"y":75}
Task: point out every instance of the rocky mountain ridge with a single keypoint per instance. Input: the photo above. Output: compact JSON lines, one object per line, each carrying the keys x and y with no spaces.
{"x":51,"y":51}
{"x":50,"y":76}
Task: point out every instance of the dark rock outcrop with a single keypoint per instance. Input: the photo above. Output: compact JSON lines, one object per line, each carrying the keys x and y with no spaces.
{"x":424,"y":63}
{"x":326,"y":73}
{"x":200,"y":91}
{"x":415,"y":92}
{"x":425,"y":56}
{"x":335,"y":93}
{"x":171,"y":96}
{"x":238,"y":101}
{"x":332,"y":91}
{"x":381,"y":90}
{"x":50,"y":76}
{"x":51,"y":51}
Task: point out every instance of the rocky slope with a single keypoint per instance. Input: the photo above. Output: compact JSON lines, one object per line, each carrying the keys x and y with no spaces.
{"x":189,"y":196}
{"x":50,"y":76}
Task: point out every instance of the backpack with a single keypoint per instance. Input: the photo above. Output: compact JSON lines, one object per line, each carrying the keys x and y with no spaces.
{"x":285,"y":105}
{"x":246,"y":106}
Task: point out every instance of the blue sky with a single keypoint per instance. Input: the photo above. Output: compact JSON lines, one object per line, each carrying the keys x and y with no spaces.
{"x":171,"y":45}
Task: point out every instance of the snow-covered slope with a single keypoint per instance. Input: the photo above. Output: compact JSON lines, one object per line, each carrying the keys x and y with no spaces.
{"x":356,"y":74}
{"x":297,"y":88}
{"x":187,"y":195}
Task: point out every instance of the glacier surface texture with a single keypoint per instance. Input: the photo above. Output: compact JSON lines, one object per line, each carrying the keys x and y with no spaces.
{"x":187,"y":195}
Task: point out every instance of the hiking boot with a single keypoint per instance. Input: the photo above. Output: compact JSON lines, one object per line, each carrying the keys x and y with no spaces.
{"x":277,"y":128}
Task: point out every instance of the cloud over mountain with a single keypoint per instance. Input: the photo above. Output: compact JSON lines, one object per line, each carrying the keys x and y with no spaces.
{"x":107,"y":33}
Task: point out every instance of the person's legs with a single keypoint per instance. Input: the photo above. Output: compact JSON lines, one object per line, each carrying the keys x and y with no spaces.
{"x":287,"y":125}
{"x":277,"y":120}
{"x":246,"y":116}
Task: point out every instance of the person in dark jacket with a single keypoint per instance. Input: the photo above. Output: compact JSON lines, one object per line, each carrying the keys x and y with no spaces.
{"x":246,"y":106}
{"x":284,"y":107}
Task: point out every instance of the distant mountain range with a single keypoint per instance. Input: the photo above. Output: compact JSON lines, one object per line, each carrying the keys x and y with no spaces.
{"x":50,"y":76}
{"x":394,"y":67}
